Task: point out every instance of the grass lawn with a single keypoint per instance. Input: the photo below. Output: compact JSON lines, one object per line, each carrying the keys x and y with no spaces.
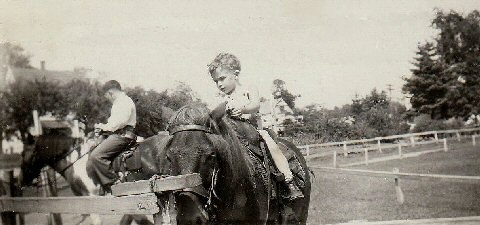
{"x":342,"y":198}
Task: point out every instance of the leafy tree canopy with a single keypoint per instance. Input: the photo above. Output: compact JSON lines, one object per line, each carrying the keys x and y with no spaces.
{"x":445,"y":81}
{"x":280,"y":91}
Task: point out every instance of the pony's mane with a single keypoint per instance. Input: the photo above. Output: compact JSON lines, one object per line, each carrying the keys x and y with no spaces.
{"x":192,"y":114}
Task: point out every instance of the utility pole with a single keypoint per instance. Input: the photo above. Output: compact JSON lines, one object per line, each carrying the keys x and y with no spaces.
{"x":390,"y":89}
{"x":357,"y":96}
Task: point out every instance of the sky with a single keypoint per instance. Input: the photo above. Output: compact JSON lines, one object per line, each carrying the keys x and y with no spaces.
{"x":325,"y":51}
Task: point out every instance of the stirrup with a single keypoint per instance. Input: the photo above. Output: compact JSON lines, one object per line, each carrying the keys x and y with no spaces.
{"x":294,"y":192}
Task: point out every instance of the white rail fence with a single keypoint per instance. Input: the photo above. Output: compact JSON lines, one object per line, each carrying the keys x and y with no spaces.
{"x":388,"y":142}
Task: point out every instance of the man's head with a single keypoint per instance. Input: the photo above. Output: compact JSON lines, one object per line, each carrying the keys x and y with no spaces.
{"x":224,"y":70}
{"x":111,"y":88}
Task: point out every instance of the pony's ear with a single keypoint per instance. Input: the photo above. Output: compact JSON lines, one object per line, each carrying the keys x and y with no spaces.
{"x":218,"y":113}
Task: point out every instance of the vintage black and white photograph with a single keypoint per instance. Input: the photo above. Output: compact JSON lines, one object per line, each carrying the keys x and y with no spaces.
{"x":240,"y":112}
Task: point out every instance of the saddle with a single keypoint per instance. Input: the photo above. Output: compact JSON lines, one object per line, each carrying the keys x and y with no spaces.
{"x":259,"y":149}
{"x":128,"y":161}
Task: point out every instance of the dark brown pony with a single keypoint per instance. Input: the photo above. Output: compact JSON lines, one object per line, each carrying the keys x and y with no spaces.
{"x":235,"y":173}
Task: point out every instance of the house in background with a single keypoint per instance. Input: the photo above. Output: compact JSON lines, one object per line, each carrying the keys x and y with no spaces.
{"x":10,"y":74}
{"x":274,"y":113}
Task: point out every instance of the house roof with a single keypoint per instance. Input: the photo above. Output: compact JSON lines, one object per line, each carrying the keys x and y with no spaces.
{"x":36,"y":74}
{"x":49,"y":75}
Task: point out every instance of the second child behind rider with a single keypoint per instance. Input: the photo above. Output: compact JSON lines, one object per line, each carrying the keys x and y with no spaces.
{"x":241,"y":103}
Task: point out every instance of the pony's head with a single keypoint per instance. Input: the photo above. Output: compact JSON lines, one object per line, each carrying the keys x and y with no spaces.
{"x":31,"y":165}
{"x":46,"y":150}
{"x":196,"y":148}
{"x":193,"y":146}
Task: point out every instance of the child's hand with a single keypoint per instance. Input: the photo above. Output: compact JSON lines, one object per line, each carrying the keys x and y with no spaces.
{"x":99,"y":126}
{"x":235,"y":112}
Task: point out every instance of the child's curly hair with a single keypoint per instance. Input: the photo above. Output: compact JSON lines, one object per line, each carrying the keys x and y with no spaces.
{"x":225,"y":61}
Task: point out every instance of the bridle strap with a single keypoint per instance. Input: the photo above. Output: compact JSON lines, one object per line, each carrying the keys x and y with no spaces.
{"x":200,"y":190}
{"x":190,"y":127}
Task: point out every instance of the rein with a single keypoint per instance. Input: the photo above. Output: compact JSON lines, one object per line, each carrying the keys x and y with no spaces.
{"x":64,"y":155}
{"x":72,"y":163}
{"x":74,"y":148}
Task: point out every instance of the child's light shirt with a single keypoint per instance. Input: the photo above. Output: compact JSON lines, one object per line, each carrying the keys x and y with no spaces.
{"x":240,"y":98}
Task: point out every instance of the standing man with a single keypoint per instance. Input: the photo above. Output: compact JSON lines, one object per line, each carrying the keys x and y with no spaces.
{"x":120,"y":125}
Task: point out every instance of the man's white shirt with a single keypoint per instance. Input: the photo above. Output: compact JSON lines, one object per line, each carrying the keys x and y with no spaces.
{"x":123,"y":113}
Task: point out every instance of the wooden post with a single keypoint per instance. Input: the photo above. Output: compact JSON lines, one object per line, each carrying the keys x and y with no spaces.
{"x":412,"y":140}
{"x":458,"y":136}
{"x":366,"y":156}
{"x":172,"y":210}
{"x":445,"y":147}
{"x":9,"y":218}
{"x":51,"y":188}
{"x":168,"y":212}
{"x":379,"y":146}
{"x":400,"y":150}
{"x":436,"y":136}
{"x":473,"y":140}
{"x":334,"y":159}
{"x":44,"y":183}
{"x":75,"y":129}
{"x":157,"y":218}
{"x":398,"y":189}
{"x":345,"y":152}
{"x":36,"y":123}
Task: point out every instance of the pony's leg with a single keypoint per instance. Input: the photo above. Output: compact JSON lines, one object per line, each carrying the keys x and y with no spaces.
{"x":80,"y":183}
{"x":127,"y":220}
{"x":141,"y":219}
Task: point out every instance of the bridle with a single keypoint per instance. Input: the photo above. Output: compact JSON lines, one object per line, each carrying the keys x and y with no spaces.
{"x":198,"y":190}
{"x":189,"y":127}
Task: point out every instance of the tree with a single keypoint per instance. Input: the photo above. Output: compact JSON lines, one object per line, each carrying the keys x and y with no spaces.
{"x":368,"y":117}
{"x":26,"y":96}
{"x":374,"y":100}
{"x":154,"y":109}
{"x":87,"y":102}
{"x":180,"y":96}
{"x":280,"y":91}
{"x":150,"y":107}
{"x":16,"y":55}
{"x":11,"y":55}
{"x":425,"y":85}
{"x":4,"y":118}
{"x":445,"y":82}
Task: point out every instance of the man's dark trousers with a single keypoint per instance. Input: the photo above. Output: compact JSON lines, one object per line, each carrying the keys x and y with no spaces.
{"x":98,"y":164}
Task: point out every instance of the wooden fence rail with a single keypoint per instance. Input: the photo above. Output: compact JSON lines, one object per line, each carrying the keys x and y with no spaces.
{"x":136,"y":204}
{"x":376,"y":143}
{"x":396,"y":176}
{"x":129,"y":198}
{"x":409,"y":176}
